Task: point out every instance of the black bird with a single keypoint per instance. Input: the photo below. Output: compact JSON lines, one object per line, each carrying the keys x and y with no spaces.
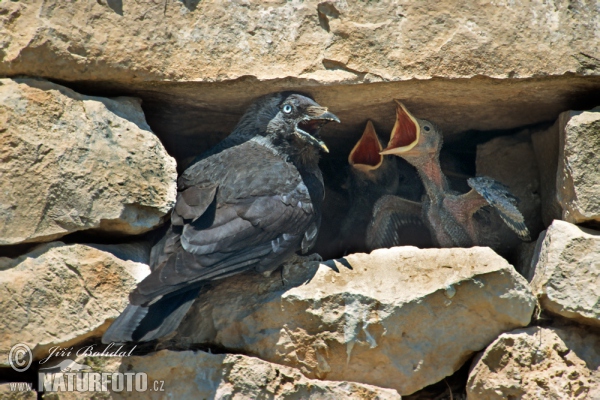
{"x":249,"y":206}
{"x":371,"y":176}
{"x":450,"y":215}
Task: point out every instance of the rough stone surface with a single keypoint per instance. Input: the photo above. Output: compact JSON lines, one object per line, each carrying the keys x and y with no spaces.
{"x":402,"y":318}
{"x":202,"y":375}
{"x":8,"y":391}
{"x":538,"y":363}
{"x":71,"y":162}
{"x":545,"y":146}
{"x":317,"y":40}
{"x":197,"y":65}
{"x":61,"y":294}
{"x":567,"y":272}
{"x":511,"y":161}
{"x":578,"y":179}
{"x":52,"y":384}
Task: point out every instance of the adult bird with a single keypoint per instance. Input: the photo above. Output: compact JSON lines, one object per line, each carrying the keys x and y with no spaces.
{"x":249,"y":206}
{"x":371,"y":176}
{"x":449,"y":215}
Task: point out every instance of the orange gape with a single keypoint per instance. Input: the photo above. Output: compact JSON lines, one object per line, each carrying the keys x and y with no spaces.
{"x":405,"y":129}
{"x":366,"y":151}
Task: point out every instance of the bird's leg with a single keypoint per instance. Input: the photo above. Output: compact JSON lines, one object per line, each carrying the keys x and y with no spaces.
{"x":295,"y":261}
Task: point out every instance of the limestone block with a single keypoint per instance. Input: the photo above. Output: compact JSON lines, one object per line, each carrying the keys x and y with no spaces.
{"x":200,"y":375}
{"x":578,"y":179}
{"x":567,"y":272}
{"x":71,"y":162}
{"x":538,"y":363}
{"x":60,"y":294}
{"x":401,"y":318}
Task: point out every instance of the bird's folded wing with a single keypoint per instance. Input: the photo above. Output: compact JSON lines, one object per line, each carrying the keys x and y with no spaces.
{"x":499,"y":197}
{"x":240,"y":220}
{"x":390,"y":215}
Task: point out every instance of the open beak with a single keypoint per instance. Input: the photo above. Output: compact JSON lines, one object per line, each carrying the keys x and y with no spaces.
{"x":365,"y":154}
{"x":309,"y":127}
{"x":406,"y":132}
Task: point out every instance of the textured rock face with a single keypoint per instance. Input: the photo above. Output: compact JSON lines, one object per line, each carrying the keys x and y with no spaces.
{"x":224,"y":55}
{"x":325,"y":41}
{"x":61,"y":294}
{"x":8,"y":392}
{"x":567,"y":272}
{"x":538,"y":363}
{"x":205,"y":376}
{"x":71,"y":162}
{"x":511,"y":160}
{"x":401,"y":318}
{"x":578,"y":179}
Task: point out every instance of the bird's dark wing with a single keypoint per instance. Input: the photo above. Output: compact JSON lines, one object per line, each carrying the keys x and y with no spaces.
{"x":243,"y":208}
{"x":396,"y":221}
{"x":499,"y":197}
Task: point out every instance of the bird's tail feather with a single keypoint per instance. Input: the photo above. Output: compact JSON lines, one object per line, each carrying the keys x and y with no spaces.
{"x":142,"y":323}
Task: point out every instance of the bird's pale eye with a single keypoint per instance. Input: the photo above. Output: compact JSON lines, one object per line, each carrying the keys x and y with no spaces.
{"x":287,"y":109}
{"x":427,"y":128}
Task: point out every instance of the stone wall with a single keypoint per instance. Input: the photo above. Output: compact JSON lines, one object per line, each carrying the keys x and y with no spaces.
{"x":102,"y":102}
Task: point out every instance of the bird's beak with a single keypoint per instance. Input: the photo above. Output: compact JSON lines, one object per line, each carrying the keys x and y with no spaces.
{"x":406,"y":132}
{"x":365,"y":154}
{"x":309,"y":128}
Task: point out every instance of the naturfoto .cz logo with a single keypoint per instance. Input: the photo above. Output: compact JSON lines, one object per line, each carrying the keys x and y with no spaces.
{"x":70,"y":376}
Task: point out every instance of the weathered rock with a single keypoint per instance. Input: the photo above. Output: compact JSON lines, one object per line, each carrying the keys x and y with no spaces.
{"x":401,"y":318}
{"x":71,"y":162}
{"x":61,"y":294}
{"x":545,"y":146}
{"x":221,"y":56}
{"x":578,"y":179}
{"x":16,"y":391}
{"x":55,"y":384}
{"x":567,"y":272}
{"x":538,"y":363}
{"x":323,"y":41}
{"x":202,"y":375}
{"x":511,"y":161}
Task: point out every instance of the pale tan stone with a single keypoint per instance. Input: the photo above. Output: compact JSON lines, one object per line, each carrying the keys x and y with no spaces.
{"x":567,"y":272}
{"x":538,"y":363}
{"x":61,"y":294}
{"x":16,"y":391}
{"x":578,"y":179}
{"x":200,"y":375}
{"x":326,"y":41}
{"x":71,"y":162}
{"x":401,"y":318}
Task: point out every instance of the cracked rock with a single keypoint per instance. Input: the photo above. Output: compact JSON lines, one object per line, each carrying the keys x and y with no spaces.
{"x":203,"y":375}
{"x":401,"y":318}
{"x":60,"y":294}
{"x":71,"y":162}
{"x":538,"y":363}
{"x":567,"y":272}
{"x":578,"y":179}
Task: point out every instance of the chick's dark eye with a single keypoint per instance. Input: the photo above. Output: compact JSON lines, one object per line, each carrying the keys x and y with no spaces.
{"x":427,"y":128}
{"x":287,"y":109}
